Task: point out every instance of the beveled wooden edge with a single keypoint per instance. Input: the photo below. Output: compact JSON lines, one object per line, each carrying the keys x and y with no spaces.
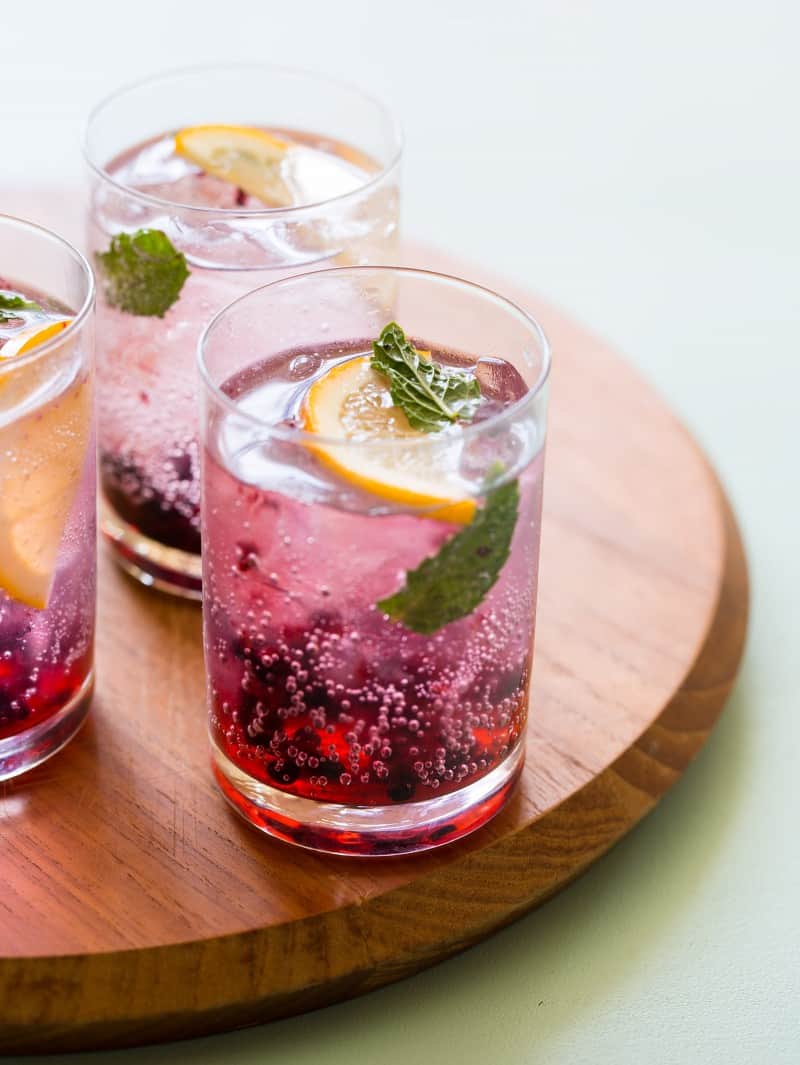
{"x":228,"y":981}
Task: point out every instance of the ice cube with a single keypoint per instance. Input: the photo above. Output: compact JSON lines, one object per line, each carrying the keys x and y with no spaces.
{"x":499,"y":380}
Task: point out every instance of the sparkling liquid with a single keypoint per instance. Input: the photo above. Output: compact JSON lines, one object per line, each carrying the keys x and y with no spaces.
{"x":314,"y":691}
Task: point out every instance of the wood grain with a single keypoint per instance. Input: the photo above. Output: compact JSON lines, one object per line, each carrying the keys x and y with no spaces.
{"x":135,"y":907}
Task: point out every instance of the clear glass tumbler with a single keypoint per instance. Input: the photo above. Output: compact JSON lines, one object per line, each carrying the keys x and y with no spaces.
{"x":183,"y":218}
{"x":47,"y":493}
{"x":370,"y":586}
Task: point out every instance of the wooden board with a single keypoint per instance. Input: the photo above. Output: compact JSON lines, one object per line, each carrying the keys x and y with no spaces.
{"x":134,"y":906}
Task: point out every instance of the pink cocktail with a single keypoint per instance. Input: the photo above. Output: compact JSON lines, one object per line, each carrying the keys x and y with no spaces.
{"x":370,"y":587}
{"x":47,"y":494}
{"x":286,"y":172}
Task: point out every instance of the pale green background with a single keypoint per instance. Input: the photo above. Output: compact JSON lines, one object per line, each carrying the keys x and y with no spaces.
{"x":638,"y":164}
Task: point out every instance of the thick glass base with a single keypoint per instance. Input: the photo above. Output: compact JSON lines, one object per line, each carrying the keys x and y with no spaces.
{"x":367,"y":831}
{"x":166,"y":568}
{"x":24,"y":750}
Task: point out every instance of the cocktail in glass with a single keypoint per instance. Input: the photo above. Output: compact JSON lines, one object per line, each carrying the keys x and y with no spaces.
{"x":47,"y":494}
{"x":370,"y":567}
{"x":207,"y":183}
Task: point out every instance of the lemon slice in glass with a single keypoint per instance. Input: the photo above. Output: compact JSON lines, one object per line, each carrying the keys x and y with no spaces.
{"x":28,"y":339}
{"x":42,"y":456}
{"x":352,"y":402}
{"x":242,"y":155}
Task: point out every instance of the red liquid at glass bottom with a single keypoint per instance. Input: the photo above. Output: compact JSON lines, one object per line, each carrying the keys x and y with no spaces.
{"x":369,"y":830}
{"x":37,"y":720}
{"x":383,"y":761}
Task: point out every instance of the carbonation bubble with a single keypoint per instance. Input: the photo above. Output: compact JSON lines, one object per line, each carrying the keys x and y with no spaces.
{"x":303,"y":366}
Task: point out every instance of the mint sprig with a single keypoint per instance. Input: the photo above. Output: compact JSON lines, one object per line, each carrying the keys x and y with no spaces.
{"x":432,"y":396}
{"x":17,"y":303}
{"x":10,"y":304}
{"x":450,"y":584}
{"x":143,"y":273}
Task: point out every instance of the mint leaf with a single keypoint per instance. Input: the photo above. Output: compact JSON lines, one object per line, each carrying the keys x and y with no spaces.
{"x":17,"y":303}
{"x":10,"y":304}
{"x":450,"y":584}
{"x":143,"y":273}
{"x":431,"y":395}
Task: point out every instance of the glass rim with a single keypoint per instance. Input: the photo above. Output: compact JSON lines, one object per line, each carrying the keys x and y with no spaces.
{"x":41,"y":350}
{"x":292,"y":434}
{"x":101,"y":171}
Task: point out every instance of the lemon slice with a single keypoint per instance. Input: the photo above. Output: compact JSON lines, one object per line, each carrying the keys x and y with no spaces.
{"x":244,"y":156}
{"x":31,"y":338}
{"x":18,"y":384}
{"x":42,"y":455}
{"x":352,"y":402}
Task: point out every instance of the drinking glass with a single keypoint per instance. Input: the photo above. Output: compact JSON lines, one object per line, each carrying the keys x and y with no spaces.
{"x":370,"y":598}
{"x":342,"y":208}
{"x":47,"y":493}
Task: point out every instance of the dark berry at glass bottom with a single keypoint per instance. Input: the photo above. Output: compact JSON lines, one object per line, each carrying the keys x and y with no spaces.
{"x":42,"y":699}
{"x":151,"y":515}
{"x":341,"y":720}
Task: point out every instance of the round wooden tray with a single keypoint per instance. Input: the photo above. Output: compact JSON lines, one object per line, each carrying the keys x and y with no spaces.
{"x":136,"y":907}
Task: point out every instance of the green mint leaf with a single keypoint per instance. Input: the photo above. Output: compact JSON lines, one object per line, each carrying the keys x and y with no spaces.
{"x":431,"y":396}
{"x":142,"y":272}
{"x":450,"y":584}
{"x":15,"y":303}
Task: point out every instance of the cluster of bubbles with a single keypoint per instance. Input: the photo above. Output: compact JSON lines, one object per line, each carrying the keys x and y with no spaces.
{"x":323,"y":707}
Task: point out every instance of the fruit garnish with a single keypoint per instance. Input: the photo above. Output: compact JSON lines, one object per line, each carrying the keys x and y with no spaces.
{"x":28,"y":339}
{"x":352,"y":402}
{"x":42,"y":456}
{"x":431,"y":394}
{"x":396,"y":395}
{"x":142,"y":273}
{"x":242,"y":155}
{"x":451,"y":583}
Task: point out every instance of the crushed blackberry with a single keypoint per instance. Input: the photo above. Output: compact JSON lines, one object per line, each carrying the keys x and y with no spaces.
{"x":13,"y":709}
{"x":402,"y":790}
{"x":172,"y":522}
{"x":382,"y":733}
{"x":246,"y":556}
